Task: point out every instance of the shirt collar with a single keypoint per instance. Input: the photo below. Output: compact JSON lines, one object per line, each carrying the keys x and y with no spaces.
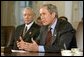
{"x":29,"y":25}
{"x":54,"y":24}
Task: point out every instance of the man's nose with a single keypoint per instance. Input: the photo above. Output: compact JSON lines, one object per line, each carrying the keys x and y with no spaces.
{"x":26,"y":16}
{"x":42,"y":19}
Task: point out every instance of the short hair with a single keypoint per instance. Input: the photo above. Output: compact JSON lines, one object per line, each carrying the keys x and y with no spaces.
{"x":51,"y":8}
{"x":29,"y":8}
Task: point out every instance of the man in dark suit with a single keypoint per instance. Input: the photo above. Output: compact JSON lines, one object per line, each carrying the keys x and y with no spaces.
{"x":32,"y":30}
{"x":62,"y":32}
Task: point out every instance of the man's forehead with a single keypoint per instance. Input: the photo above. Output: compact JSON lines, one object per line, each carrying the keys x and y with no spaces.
{"x":28,"y":11}
{"x":44,"y":10}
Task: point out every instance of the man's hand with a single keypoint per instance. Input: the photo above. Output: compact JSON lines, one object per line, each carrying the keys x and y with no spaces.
{"x":27,"y":46}
{"x":32,"y":46}
{"x":21,"y":43}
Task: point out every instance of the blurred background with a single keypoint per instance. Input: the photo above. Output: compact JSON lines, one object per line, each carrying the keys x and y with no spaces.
{"x":11,"y":11}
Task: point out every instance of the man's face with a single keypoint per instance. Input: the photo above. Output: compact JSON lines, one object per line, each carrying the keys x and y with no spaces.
{"x":46,"y":17}
{"x":28,"y":16}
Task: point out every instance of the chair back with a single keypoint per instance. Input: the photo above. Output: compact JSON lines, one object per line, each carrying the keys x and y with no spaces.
{"x":6,"y":34}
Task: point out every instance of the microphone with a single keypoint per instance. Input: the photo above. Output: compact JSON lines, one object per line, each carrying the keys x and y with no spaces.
{"x":65,"y":46}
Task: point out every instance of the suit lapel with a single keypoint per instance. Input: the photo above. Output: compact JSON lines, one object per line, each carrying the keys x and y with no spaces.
{"x":54,"y":37}
{"x":22,"y":29}
{"x":43,"y":35}
{"x":29,"y":32}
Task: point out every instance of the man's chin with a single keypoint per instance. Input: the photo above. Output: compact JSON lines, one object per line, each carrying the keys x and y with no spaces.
{"x":45,"y":24}
{"x":28,"y":22}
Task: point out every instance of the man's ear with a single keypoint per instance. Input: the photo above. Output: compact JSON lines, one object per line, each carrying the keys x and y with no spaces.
{"x":53,"y":14}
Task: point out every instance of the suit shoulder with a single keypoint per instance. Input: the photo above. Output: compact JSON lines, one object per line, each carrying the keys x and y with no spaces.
{"x":36,"y":25}
{"x":64,"y":25}
{"x":20,"y":26}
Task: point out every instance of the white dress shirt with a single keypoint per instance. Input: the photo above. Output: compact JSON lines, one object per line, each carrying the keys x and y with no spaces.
{"x":28,"y":25}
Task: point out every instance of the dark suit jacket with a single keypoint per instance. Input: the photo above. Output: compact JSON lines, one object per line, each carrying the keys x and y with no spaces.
{"x":63,"y":35}
{"x":33,"y":32}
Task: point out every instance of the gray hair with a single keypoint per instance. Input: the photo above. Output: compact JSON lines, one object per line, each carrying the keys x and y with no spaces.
{"x":29,"y":8}
{"x":51,"y":8}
